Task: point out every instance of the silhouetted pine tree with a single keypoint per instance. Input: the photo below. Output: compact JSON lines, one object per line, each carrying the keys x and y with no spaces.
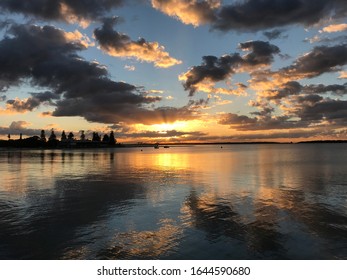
{"x":106,"y":139}
{"x":70,"y":136}
{"x":112,"y":139}
{"x":43,"y":136}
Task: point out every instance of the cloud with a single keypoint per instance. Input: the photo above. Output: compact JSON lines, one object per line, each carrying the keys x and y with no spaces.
{"x":189,"y":11}
{"x":343,"y":75}
{"x":322,"y":59}
{"x":334,"y":89}
{"x":167,"y":135}
{"x":335,"y":28}
{"x":302,"y":107}
{"x":21,"y":106}
{"x":29,"y":104}
{"x":213,"y":69}
{"x":326,"y":40}
{"x":260,"y":122}
{"x":261,"y":53}
{"x":316,"y":109}
{"x":254,"y":15}
{"x":17,"y":127}
{"x":46,"y":58}
{"x":120,"y":45}
{"x":295,"y":88}
{"x":77,"y":36}
{"x":117,"y":110}
{"x":130,"y":68}
{"x":156,"y":91}
{"x":64,"y":10}
{"x":274,"y":34}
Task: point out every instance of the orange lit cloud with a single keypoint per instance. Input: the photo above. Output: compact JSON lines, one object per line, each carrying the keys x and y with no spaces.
{"x":45,"y":114}
{"x":77,"y":36}
{"x":144,"y":51}
{"x":335,"y":28}
{"x":120,"y":45}
{"x":17,"y":105}
{"x":81,"y":12}
{"x":343,"y":75}
{"x":68,"y":14}
{"x":188,"y":11}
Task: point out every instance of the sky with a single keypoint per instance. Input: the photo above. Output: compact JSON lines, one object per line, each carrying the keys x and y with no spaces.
{"x":175,"y":70}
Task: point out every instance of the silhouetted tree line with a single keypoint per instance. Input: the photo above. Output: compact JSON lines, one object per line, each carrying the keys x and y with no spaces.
{"x":65,"y":141}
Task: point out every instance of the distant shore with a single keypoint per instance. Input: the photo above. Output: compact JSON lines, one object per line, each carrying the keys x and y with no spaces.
{"x":95,"y":145}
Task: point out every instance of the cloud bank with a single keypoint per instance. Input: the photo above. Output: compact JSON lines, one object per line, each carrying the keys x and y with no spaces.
{"x":251,"y":15}
{"x":46,"y":57}
{"x":63,"y":10}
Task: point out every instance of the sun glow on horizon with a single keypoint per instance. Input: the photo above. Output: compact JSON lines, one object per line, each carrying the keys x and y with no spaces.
{"x":169,"y":126}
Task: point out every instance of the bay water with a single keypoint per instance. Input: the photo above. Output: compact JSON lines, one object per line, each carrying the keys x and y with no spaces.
{"x":247,"y":201}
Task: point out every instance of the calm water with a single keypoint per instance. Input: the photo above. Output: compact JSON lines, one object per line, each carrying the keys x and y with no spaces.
{"x":196,"y":202}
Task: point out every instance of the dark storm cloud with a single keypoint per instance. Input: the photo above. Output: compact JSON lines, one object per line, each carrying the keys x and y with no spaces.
{"x":213,"y":68}
{"x":114,"y":111}
{"x":335,"y":89}
{"x":45,"y":96}
{"x":218,"y":69}
{"x":287,"y":89}
{"x":261,"y":52}
{"x":321,"y":59}
{"x":314,"y":108}
{"x":107,"y":36}
{"x":60,"y":9}
{"x":254,"y":15}
{"x":261,"y":122}
{"x":48,"y":58}
{"x":295,"y":88}
{"x":40,"y":53}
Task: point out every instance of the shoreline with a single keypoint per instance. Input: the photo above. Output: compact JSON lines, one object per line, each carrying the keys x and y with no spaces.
{"x":152,"y":145}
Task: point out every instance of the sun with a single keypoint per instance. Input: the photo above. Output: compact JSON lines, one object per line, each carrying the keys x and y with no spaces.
{"x":169,"y":126}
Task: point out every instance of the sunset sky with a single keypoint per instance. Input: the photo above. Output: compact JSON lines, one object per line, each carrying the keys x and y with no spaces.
{"x":176,"y":70}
